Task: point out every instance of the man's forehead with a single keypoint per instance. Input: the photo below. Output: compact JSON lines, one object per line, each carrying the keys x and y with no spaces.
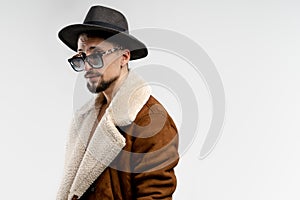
{"x":85,"y":42}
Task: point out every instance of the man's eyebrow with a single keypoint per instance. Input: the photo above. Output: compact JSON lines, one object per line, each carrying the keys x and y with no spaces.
{"x":96,"y":48}
{"x":92,"y":48}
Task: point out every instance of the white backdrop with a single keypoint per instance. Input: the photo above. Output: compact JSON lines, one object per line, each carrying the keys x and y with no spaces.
{"x":255,"y":46}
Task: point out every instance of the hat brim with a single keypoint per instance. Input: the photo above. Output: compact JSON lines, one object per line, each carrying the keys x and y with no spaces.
{"x":69,"y":35}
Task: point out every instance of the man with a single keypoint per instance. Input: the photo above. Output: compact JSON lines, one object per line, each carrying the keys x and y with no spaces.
{"x":122,"y":145}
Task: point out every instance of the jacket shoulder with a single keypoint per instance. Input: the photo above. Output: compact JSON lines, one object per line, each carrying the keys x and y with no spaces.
{"x":153,"y":116}
{"x":152,"y":106}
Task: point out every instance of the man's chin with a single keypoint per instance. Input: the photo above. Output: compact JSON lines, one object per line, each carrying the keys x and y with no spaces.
{"x":101,"y":86}
{"x":95,"y":89}
{"x":92,"y":88}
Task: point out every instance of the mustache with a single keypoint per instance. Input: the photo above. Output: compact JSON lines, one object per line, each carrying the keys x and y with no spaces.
{"x":91,"y":73}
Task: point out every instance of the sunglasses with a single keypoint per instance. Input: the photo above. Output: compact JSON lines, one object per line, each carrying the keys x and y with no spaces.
{"x":95,"y":60}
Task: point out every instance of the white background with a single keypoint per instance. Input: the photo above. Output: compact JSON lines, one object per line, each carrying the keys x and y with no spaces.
{"x":255,"y":46}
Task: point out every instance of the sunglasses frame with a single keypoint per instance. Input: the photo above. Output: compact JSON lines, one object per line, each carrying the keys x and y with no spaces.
{"x":84,"y":58}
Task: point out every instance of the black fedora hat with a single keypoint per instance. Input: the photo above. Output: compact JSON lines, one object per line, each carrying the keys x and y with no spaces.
{"x":107,"y":23}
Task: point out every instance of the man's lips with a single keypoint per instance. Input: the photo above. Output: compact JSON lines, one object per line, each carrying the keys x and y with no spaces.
{"x":91,"y":75}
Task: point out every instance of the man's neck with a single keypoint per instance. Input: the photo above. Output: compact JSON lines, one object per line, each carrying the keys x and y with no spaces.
{"x":110,"y":92}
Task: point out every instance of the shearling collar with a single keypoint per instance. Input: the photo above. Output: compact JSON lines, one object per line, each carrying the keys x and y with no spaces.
{"x":86,"y":161}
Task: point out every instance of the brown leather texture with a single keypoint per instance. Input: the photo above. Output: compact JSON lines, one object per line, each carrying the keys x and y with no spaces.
{"x":144,"y":169}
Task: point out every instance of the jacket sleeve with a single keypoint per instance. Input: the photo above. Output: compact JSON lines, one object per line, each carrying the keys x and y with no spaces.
{"x":155,"y":150}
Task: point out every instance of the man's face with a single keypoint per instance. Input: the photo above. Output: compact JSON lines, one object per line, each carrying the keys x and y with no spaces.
{"x":99,"y":80}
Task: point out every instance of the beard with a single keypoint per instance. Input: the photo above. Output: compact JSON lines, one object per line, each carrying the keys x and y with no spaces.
{"x":101,"y":86}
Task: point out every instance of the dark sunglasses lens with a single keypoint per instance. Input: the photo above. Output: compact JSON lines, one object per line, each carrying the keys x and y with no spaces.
{"x":95,"y":60}
{"x":77,"y":64}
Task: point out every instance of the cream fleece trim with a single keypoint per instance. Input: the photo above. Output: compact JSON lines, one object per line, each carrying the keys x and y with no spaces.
{"x":84,"y":163}
{"x":129,"y":100}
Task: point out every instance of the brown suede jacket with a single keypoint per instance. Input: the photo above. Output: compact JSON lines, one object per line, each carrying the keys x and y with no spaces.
{"x":131,"y":154}
{"x":153,"y":175}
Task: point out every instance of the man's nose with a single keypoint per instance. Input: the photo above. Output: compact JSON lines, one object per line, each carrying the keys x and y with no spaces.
{"x":87,"y":66}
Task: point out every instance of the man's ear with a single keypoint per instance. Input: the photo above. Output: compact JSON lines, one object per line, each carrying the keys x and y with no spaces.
{"x":125,"y":57}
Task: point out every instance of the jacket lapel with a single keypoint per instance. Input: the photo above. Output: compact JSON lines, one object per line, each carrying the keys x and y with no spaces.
{"x":85,"y":162}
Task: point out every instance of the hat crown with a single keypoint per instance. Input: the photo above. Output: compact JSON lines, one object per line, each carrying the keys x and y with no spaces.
{"x":106,"y":23}
{"x":99,"y":15}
